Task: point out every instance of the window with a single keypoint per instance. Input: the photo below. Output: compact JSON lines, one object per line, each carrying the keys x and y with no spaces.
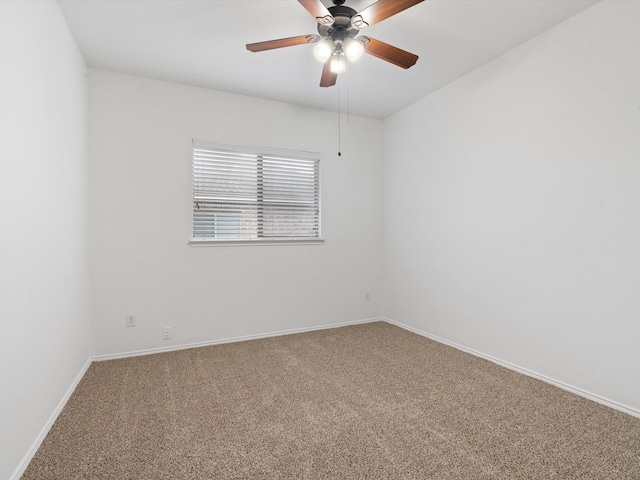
{"x":254,"y":195}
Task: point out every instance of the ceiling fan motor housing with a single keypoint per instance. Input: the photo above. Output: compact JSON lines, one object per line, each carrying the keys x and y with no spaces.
{"x":341,"y":27}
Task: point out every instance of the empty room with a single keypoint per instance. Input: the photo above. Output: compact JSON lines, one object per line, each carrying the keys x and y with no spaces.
{"x":320,"y":239}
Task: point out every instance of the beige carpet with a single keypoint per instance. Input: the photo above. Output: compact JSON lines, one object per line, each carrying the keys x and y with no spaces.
{"x":369,"y":401}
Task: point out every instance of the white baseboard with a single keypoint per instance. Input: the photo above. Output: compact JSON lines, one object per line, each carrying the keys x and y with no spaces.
{"x":52,"y":419}
{"x":578,"y":391}
{"x":173,"y":348}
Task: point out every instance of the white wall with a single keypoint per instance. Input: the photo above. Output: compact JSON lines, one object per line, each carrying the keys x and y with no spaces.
{"x":512,"y":206}
{"x":140,"y":173}
{"x":44,"y":293}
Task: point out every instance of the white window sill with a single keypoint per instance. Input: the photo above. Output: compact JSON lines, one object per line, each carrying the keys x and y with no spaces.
{"x":270,"y":241}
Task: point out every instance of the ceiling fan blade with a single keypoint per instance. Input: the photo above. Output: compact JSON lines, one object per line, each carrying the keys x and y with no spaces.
{"x":319,"y":11}
{"x":388,"y":53}
{"x":379,"y":11}
{"x":328,"y":78}
{"x":282,"y":42}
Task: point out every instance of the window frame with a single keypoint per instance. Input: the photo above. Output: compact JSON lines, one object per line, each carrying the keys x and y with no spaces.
{"x":258,"y":151}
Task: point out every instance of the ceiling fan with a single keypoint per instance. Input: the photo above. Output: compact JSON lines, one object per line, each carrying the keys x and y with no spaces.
{"x":338,"y":27}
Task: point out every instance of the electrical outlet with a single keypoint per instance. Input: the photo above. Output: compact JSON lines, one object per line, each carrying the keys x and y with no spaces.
{"x":130,"y":320}
{"x":367,"y":296}
{"x":166,"y":333}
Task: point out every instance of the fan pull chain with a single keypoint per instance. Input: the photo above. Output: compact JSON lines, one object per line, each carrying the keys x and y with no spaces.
{"x":339,"y":126}
{"x":348,"y":97}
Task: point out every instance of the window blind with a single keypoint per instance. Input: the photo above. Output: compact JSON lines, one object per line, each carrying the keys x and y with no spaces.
{"x":251,"y":195}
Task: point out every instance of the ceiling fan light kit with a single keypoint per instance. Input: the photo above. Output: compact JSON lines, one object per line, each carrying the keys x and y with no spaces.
{"x":338,"y":27}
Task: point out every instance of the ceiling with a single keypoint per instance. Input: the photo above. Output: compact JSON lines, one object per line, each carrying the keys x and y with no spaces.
{"x":202,"y":43}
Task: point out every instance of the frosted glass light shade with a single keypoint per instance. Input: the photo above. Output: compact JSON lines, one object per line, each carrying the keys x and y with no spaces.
{"x":353,"y":49}
{"x":338,"y":63}
{"x":323,"y":50}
